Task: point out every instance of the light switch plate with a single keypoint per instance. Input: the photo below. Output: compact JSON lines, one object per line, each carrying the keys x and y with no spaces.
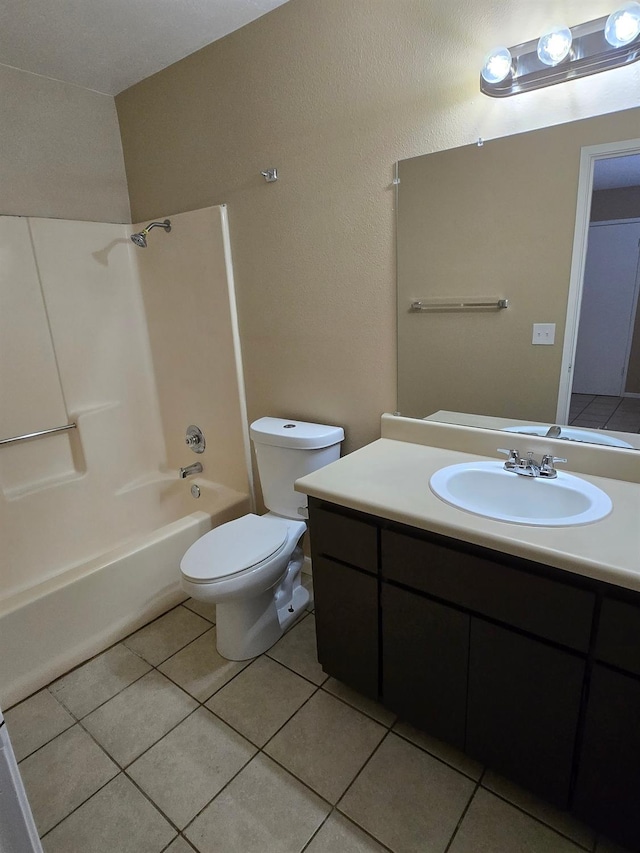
{"x":544,"y":333}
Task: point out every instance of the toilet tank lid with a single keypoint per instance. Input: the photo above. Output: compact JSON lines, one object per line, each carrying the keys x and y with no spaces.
{"x":298,"y":434}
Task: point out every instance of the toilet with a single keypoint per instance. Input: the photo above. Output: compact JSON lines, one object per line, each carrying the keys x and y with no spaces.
{"x":250,"y":567}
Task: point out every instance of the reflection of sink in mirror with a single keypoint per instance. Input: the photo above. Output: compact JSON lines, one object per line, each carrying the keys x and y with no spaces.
{"x":485,"y":488}
{"x":570,"y":434}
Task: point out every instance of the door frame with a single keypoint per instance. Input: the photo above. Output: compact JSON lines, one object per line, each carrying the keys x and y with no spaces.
{"x":588,"y":156}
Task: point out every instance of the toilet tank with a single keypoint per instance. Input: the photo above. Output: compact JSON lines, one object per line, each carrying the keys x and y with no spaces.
{"x":287,"y":450}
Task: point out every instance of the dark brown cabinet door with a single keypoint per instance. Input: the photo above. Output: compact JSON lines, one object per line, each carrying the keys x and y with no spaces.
{"x":607,"y":793}
{"x":524,"y":701}
{"x":425,"y":655}
{"x":346,"y":605}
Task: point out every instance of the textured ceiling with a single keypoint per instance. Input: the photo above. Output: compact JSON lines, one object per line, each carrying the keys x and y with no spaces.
{"x":108,"y":45}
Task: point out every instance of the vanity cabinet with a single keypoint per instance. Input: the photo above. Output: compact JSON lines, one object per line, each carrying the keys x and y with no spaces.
{"x":533,"y":671}
{"x":608,"y":779}
{"x":498,"y":654}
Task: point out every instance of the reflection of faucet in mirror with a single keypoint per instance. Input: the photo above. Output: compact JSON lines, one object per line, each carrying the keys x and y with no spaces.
{"x":449,"y":361}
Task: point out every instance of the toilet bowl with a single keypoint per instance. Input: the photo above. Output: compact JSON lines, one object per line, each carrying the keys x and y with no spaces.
{"x":250,"y":567}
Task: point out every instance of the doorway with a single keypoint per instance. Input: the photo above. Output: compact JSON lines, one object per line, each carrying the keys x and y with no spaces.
{"x":601,"y":357}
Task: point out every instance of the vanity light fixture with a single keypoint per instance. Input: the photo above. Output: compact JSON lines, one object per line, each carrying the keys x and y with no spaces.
{"x":564,"y":53}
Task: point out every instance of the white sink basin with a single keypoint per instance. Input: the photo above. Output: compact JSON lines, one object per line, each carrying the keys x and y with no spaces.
{"x":571,"y":434}
{"x":485,"y":488}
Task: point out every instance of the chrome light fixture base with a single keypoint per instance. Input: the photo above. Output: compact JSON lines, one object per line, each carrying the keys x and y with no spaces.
{"x":590,"y":53}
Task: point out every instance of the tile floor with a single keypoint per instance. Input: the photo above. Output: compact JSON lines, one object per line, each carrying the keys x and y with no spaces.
{"x":598,"y":412}
{"x":159,"y":744}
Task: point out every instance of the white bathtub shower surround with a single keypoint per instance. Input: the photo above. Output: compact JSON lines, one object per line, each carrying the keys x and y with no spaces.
{"x":133,"y":345}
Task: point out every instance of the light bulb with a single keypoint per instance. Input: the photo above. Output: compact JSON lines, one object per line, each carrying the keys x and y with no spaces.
{"x":623,"y":25}
{"x":497,"y":65}
{"x":555,"y":45}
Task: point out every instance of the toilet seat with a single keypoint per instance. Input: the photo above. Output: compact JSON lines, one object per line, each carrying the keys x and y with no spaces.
{"x":234,"y":547}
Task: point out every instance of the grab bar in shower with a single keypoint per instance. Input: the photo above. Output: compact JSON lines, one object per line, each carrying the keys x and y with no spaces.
{"x":40,"y":434}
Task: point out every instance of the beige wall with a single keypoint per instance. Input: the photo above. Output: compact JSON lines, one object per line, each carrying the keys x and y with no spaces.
{"x":60,"y":151}
{"x":331,"y":93}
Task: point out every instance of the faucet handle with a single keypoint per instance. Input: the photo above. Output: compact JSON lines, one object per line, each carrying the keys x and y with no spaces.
{"x":513,"y":455}
{"x":547,"y":466}
{"x":548,"y":459}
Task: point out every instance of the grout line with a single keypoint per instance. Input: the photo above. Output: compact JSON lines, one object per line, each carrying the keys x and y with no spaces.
{"x":550,"y":826}
{"x":464,"y":812}
{"x":346,"y":702}
{"x":336,"y":811}
{"x":102,"y":704}
{"x":75,"y":809}
{"x":438,"y":757}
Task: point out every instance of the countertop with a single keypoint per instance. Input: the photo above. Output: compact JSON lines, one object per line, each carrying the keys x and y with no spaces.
{"x":390,"y":478}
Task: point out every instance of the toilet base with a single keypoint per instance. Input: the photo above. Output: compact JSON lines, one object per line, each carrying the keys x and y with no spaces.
{"x":246,"y":628}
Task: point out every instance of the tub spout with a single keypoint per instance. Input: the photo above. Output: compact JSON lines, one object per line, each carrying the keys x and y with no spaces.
{"x":195,"y":468}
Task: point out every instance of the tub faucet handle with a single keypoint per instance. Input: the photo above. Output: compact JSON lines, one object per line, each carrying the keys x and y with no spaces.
{"x":195,"y":439}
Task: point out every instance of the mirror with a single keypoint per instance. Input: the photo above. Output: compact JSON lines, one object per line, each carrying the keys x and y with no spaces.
{"x":491,"y":222}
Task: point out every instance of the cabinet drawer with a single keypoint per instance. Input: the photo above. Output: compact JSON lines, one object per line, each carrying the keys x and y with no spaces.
{"x":618,"y":640}
{"x":343,"y":538}
{"x":547,"y":608}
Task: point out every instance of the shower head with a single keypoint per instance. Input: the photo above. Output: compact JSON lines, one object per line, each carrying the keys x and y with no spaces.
{"x":140,"y":239}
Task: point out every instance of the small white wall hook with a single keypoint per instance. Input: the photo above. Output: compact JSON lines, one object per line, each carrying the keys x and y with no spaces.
{"x":480,"y":142}
{"x":270,"y":175}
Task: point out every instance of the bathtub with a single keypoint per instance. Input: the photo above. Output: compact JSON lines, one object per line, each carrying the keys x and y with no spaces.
{"x":54,"y":625}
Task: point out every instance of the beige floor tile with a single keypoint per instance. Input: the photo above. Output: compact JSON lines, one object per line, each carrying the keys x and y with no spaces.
{"x":118,"y":819}
{"x":36,"y":721}
{"x":63,"y":774}
{"x":263,"y":810}
{"x":137,"y":717}
{"x":87,"y":687}
{"x":562,"y":821}
{"x":261,"y":699}
{"x":325,"y":744}
{"x":408,"y":800}
{"x":362,"y":703}
{"x":190,"y":765}
{"x":199,"y":669}
{"x":493,"y":826}
{"x":297,"y":650}
{"x":179,"y":846}
{"x":339,"y":834}
{"x":202,"y":608}
{"x":442,"y":750}
{"x":167,"y":635}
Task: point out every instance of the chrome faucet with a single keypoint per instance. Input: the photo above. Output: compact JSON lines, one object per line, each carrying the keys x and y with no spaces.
{"x":195,"y":468}
{"x":530,"y":467}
